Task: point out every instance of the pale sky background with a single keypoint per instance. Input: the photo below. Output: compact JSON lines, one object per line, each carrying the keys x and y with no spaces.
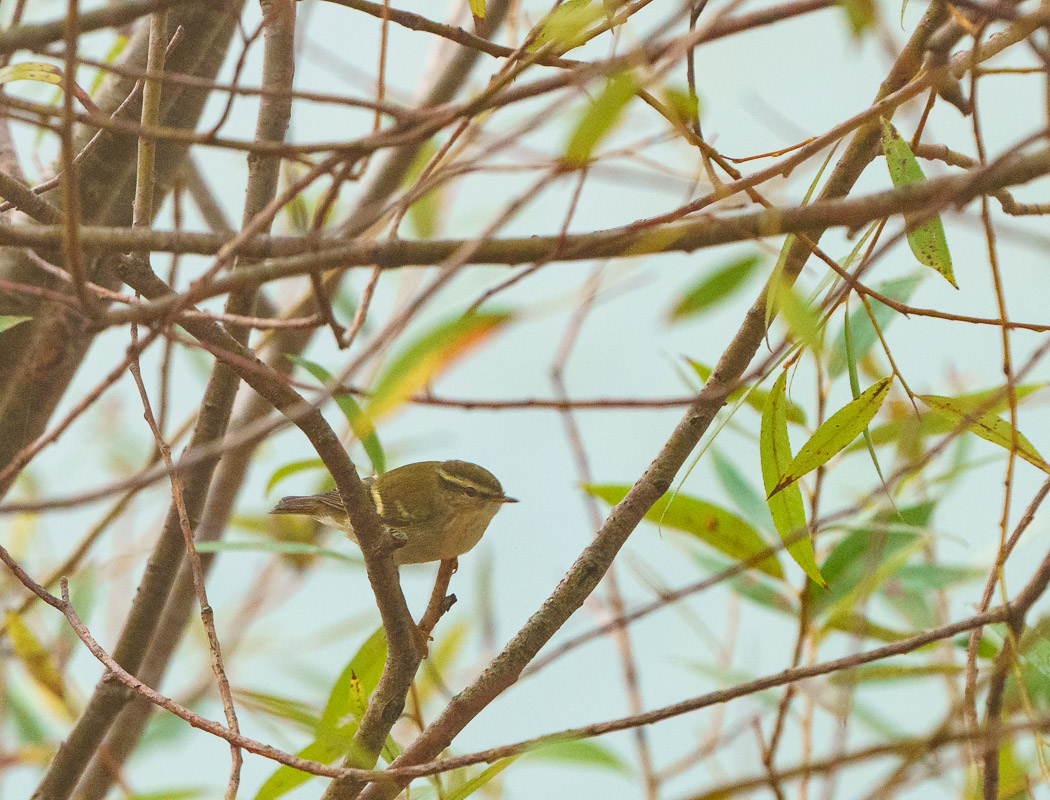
{"x":761,"y":91}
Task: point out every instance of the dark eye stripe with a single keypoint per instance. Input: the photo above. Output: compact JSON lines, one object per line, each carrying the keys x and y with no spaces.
{"x":469,"y":489}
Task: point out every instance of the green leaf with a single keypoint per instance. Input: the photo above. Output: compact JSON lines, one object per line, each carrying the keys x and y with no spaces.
{"x":422,"y":215}
{"x":987,"y":425}
{"x":777,"y":280}
{"x":835,"y":434}
{"x":119,"y":43}
{"x":566,"y":23}
{"x":188,"y":793}
{"x":477,"y":8}
{"x":711,"y":524}
{"x":427,"y":356}
{"x":714,"y":288}
{"x":750,"y":501}
{"x":283,"y":548}
{"x":298,"y":713}
{"x":292,"y":468}
{"x":600,"y":118}
{"x":883,"y":673}
{"x":754,"y":586}
{"x":786,"y":507}
{"x":684,"y":105}
{"x":926,"y":238}
{"x":854,"y":387}
{"x":480,"y":780}
{"x":755,"y":397}
{"x":35,"y":657}
{"x":864,"y":335}
{"x":801,"y":318}
{"x":334,"y":734}
{"x":860,"y":14}
{"x":581,"y":753}
{"x":930,"y":423}
{"x":363,"y":428}
{"x":9,"y":322}
{"x":863,"y":549}
{"x":926,"y":578}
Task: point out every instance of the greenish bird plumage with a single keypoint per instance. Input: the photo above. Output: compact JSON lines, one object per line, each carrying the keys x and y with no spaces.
{"x":435,"y":509}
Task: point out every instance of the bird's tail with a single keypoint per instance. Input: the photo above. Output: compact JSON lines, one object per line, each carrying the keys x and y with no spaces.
{"x":295,"y":505}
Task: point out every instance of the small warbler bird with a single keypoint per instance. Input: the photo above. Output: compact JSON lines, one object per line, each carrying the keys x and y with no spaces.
{"x":438,"y":509}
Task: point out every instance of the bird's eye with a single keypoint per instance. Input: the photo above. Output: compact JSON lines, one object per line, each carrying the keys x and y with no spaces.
{"x":471,"y":491}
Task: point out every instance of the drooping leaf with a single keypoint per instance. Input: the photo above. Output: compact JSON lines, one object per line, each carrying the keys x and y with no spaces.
{"x":42,"y":72}
{"x":292,"y":468}
{"x":714,"y":288}
{"x":926,"y":578}
{"x":801,"y":318}
{"x":930,"y":423}
{"x":34,"y":657}
{"x":860,"y":14}
{"x":478,"y":781}
{"x":786,"y":507}
{"x":684,"y":105}
{"x":362,"y":427}
{"x":883,"y":673}
{"x":423,"y":213}
{"x":426,"y":357}
{"x":283,"y":708}
{"x":120,"y":41}
{"x":777,"y":279}
{"x":864,"y":335}
{"x":757,"y":587}
{"x":721,"y":529}
{"x":283,"y":548}
{"x":863,"y":549}
{"x":835,"y":434}
{"x":566,"y":23}
{"x":755,"y":397}
{"x":747,"y":498}
{"x":987,"y":425}
{"x":186,"y":793}
{"x":580,"y":753}
{"x":854,"y":387}
{"x":8,"y":322}
{"x":600,"y":118}
{"x":925,"y":236}
{"x":336,"y":728}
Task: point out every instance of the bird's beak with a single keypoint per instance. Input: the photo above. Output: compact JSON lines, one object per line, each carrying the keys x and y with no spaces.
{"x":509,"y":500}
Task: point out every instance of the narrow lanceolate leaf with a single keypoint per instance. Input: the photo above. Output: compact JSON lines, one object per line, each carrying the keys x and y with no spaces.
{"x":426,"y":357}
{"x":477,"y":782}
{"x":713,"y":289}
{"x":34,"y":657}
{"x":7,"y":322}
{"x":756,"y":397}
{"x":835,"y":434}
{"x":925,"y":236}
{"x":711,"y":524}
{"x":786,"y":507}
{"x":42,"y":72}
{"x":362,"y":427}
{"x":854,"y":387}
{"x":864,"y":334}
{"x":566,"y":24}
{"x":802,"y":319}
{"x":338,"y":723}
{"x":600,"y":118}
{"x":580,"y":753}
{"x":292,"y":468}
{"x":987,"y":425}
{"x":477,"y":8}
